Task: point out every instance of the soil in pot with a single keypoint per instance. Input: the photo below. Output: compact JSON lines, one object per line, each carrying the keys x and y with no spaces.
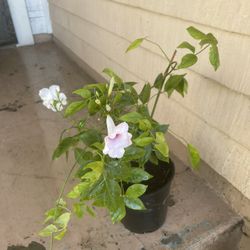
{"x":155,"y":200}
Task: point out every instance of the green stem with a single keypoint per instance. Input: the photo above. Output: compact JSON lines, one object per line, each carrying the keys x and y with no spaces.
{"x":51,"y":242}
{"x":202,"y":50}
{"x":59,"y":197}
{"x":65,"y":182}
{"x":156,"y":101}
{"x":168,"y":70}
{"x":156,"y":44}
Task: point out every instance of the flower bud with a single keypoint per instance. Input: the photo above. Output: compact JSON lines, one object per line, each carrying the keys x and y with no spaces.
{"x":98,"y":102}
{"x":111,"y":86}
{"x":108,"y":108}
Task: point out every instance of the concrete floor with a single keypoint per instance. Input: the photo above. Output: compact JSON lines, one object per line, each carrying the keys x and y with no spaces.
{"x":29,"y":181}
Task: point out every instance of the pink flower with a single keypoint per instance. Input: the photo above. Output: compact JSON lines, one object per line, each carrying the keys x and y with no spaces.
{"x":117,"y":139}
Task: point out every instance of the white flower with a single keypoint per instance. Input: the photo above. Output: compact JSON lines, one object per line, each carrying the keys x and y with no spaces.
{"x":52,"y":98}
{"x":117,"y":139}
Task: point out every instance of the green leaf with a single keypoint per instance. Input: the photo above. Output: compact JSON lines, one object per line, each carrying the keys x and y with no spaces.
{"x":134,"y":203}
{"x":162,"y":148}
{"x":145,"y":125}
{"x":93,"y":107}
{"x":214,"y":57}
{"x":159,"y":81}
{"x":143,"y":141}
{"x":74,"y":107}
{"x":133,"y":153}
{"x":111,"y":74}
{"x":159,"y":137}
{"x":173,"y":83}
{"x":119,"y":213}
{"x":145,"y":93}
{"x":84,"y":93}
{"x":90,"y":137}
{"x":135,"y":44}
{"x":187,"y":45}
{"x":100,"y":86}
{"x":64,"y":146}
{"x":52,"y":214}
{"x":91,"y":177}
{"x":98,"y":145}
{"x":195,"y":33}
{"x":61,"y":202}
{"x":161,"y":128}
{"x":90,"y":211}
{"x":133,"y":117}
{"x":194,"y":156}
{"x":153,"y":159}
{"x":138,"y":175}
{"x":210,"y":39}
{"x":182,"y":87}
{"x":77,"y":209}
{"x":112,"y":194}
{"x":187,"y":61}
{"x":148,"y":152}
{"x":117,"y":98}
{"x":63,"y":220}
{"x":82,"y":157}
{"x":48,"y":230}
{"x":136,"y":190}
{"x":95,"y":189}
{"x":78,"y":190}
{"x":96,"y":166}
{"x":161,"y":157}
{"x":81,"y":123}
{"x":143,"y":110}
{"x":60,"y":235}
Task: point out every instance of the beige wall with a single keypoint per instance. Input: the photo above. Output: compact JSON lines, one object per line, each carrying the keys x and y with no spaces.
{"x":215,"y":116}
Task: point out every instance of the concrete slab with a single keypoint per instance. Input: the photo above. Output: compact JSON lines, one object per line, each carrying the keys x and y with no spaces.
{"x":29,"y":181}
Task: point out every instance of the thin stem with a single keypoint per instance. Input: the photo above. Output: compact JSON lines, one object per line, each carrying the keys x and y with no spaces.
{"x":154,"y":96}
{"x":202,"y":50}
{"x":64,"y":131}
{"x":51,"y":242}
{"x":156,"y":44}
{"x":166,"y":73}
{"x":58,"y":200}
{"x":65,"y":182}
{"x":156,"y":101}
{"x":168,"y":70}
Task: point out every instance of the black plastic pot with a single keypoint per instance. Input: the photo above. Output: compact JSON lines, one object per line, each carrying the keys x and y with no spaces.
{"x":155,"y":200}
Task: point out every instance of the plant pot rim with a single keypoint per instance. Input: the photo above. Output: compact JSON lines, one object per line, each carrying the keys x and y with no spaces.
{"x":169,"y":177}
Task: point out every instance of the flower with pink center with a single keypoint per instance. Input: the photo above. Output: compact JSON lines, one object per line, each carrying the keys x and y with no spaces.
{"x":117,"y":140}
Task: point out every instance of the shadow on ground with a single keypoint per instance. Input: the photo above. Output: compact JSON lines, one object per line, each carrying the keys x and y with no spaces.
{"x":32,"y":246}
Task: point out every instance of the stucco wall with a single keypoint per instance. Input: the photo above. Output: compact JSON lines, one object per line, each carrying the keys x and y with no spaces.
{"x":215,"y":115}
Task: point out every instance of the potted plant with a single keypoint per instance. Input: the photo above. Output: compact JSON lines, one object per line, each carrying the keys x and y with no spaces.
{"x":121,"y":156}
